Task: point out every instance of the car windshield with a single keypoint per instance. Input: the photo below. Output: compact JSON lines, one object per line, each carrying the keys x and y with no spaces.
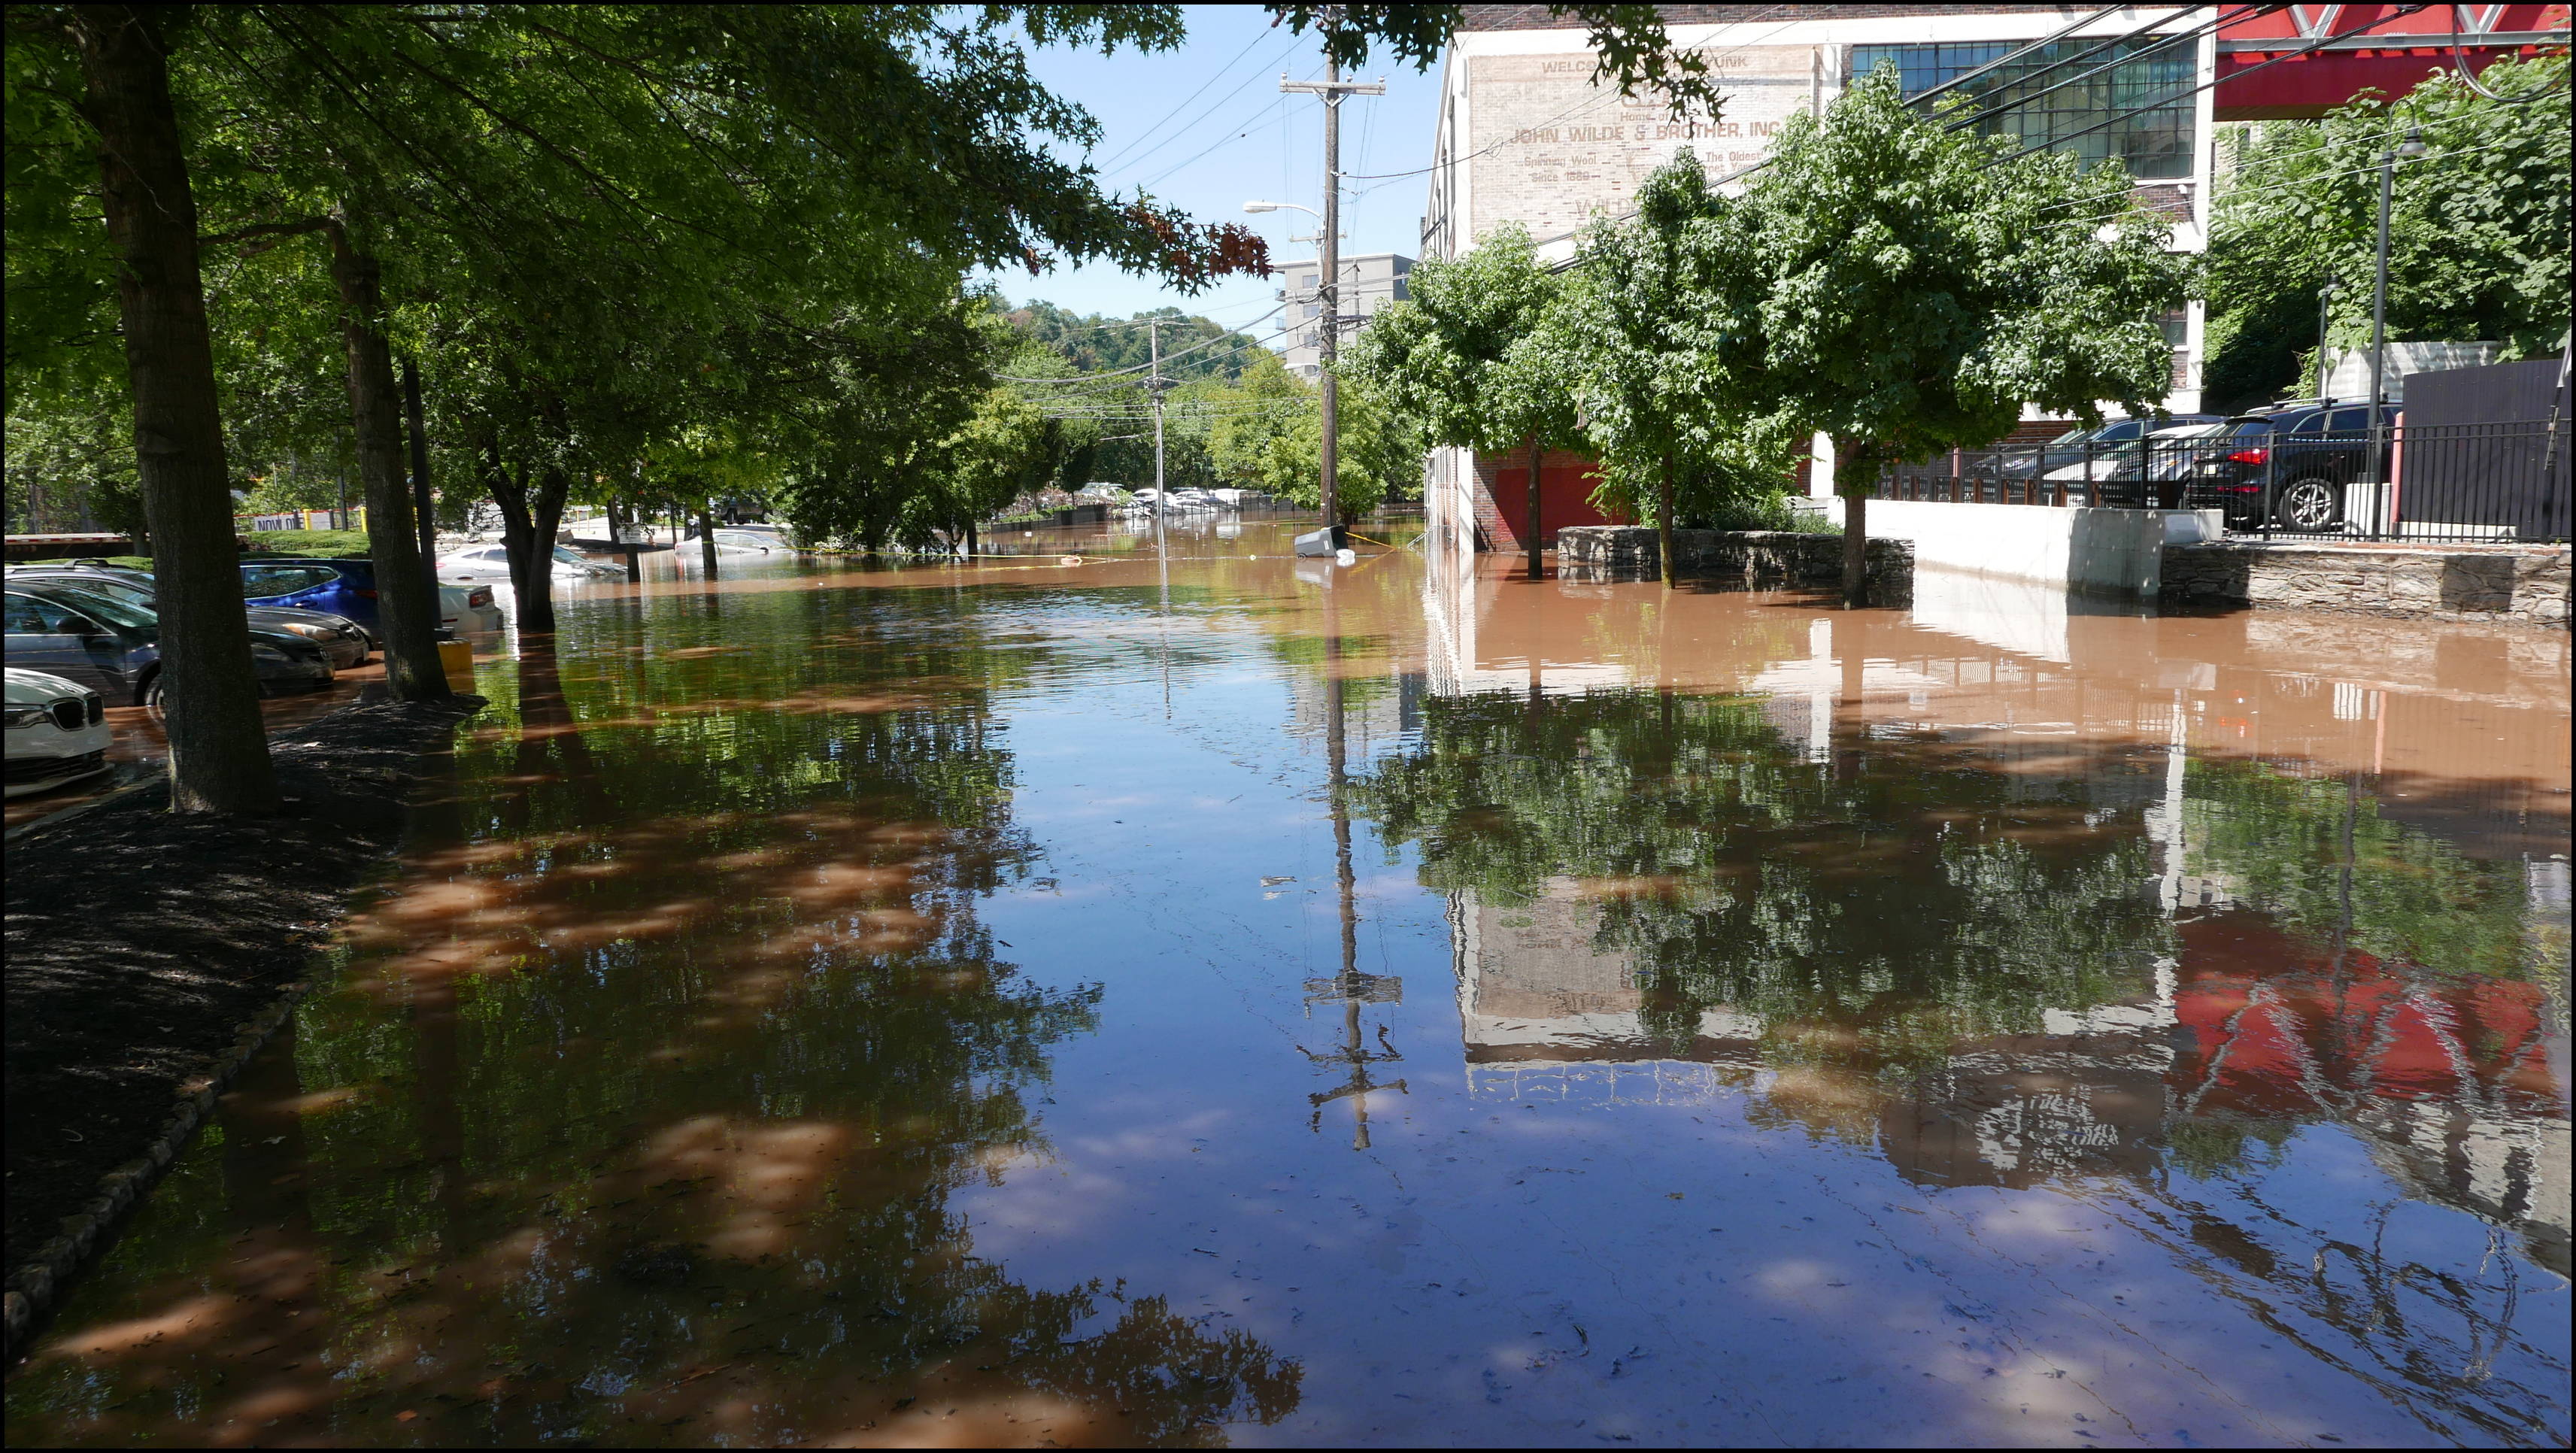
{"x":2249,"y":428}
{"x":113,"y":589}
{"x":566,"y":553}
{"x":114,"y":612}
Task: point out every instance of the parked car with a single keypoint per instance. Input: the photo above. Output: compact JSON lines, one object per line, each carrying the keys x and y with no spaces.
{"x":2290,"y":468}
{"x":2077,"y":446}
{"x":492,"y":562}
{"x":2143,"y":471}
{"x":730,"y":541}
{"x":347,"y":587}
{"x":58,"y":732}
{"x":341,"y":639}
{"x":113,"y":647}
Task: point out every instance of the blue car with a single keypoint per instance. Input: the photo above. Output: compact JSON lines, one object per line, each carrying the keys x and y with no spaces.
{"x":347,"y":587}
{"x":342,"y":587}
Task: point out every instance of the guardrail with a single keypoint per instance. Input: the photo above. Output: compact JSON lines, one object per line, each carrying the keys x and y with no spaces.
{"x":2439,"y":483}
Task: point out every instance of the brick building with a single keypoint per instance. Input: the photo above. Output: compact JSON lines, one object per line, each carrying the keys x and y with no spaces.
{"x":1523,"y":135}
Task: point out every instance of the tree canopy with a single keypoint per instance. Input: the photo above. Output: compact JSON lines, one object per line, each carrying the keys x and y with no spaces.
{"x":2478,"y":231}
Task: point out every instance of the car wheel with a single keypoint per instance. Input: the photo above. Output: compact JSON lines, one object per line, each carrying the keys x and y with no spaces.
{"x":2309,"y":505}
{"x":149,"y":697}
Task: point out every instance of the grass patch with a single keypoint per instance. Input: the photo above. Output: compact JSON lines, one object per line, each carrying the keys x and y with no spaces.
{"x":1772,"y":512}
{"x":312,"y":544}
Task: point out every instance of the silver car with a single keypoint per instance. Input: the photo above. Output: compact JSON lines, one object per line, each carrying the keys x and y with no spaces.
{"x":343,"y":640}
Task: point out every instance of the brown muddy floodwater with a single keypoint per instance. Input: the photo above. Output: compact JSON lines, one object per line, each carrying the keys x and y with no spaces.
{"x":1252,"y":1001}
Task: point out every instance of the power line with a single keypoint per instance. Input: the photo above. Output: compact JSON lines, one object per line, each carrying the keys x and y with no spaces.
{"x":2163,"y":101}
{"x":2114,"y":119}
{"x":1213,"y":77}
{"x":1224,"y":140}
{"x":1594,"y":102}
{"x":2113,"y":64}
{"x":1098,"y":378}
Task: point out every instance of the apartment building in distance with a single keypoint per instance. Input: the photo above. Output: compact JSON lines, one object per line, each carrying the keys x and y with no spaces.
{"x":1370,"y":281}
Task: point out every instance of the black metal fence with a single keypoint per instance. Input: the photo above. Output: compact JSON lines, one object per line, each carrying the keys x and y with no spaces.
{"x":2435,"y":484}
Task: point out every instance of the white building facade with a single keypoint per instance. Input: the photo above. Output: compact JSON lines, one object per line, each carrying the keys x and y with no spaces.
{"x":1370,"y":281}
{"x":1525,"y":136}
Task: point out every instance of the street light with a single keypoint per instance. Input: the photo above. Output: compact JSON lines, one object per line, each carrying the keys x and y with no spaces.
{"x":2411,"y":147}
{"x":1275,"y":206}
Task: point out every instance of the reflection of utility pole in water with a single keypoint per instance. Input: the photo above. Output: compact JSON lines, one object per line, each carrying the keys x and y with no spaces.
{"x":1162,"y":556}
{"x":1350,"y":988}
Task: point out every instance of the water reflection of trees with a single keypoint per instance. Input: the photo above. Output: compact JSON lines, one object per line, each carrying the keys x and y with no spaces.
{"x":1955,"y":958}
{"x":1883,"y":904}
{"x":645,"y":1108}
{"x":2322,"y":858}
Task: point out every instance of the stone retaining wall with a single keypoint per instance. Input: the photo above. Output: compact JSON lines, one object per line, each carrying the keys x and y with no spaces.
{"x":2519,"y":584}
{"x":1754,"y":559}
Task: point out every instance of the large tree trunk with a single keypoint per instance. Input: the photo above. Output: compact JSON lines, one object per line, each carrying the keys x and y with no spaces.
{"x":1535,"y":531}
{"x":218,"y":743}
{"x":406,"y":601}
{"x":423,"y":501}
{"x":1855,"y":472}
{"x":531,"y":564}
{"x":707,"y":539}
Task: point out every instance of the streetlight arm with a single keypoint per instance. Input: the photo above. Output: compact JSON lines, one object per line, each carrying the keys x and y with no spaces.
{"x":1277,"y":206}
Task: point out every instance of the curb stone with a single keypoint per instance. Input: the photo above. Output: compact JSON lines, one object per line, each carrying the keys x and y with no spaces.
{"x":33,"y":1285}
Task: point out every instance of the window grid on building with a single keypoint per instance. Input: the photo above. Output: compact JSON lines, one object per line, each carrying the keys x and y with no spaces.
{"x":2155,"y":141}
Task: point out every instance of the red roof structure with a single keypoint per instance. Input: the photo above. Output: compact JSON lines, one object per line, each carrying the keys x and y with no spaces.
{"x":2300,"y":61}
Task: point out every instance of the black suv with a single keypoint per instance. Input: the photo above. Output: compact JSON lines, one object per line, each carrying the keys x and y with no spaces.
{"x":2289,"y":467}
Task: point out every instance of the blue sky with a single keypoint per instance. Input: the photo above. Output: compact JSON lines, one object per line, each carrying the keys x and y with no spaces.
{"x":1205,"y":128}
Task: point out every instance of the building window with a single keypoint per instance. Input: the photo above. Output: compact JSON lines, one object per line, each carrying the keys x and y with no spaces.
{"x":2154,"y":142}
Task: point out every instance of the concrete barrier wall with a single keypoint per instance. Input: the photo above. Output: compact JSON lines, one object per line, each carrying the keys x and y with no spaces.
{"x":2117,"y":552}
{"x":2528,"y":584}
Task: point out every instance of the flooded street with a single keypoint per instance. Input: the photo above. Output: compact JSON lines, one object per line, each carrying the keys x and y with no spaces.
{"x":1248,"y":1001}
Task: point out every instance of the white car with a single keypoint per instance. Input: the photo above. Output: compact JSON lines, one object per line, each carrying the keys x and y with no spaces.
{"x":492,"y":562}
{"x":58,"y":732}
{"x":467,"y":608}
{"x":731,"y":541}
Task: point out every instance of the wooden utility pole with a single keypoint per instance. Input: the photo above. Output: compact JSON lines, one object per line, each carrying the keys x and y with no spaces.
{"x":1328,"y":272}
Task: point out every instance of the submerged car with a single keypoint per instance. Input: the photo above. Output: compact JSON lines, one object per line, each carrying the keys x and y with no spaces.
{"x":58,"y":732}
{"x":114,"y":647}
{"x":730,"y":541}
{"x":341,"y":639}
{"x":492,"y":563}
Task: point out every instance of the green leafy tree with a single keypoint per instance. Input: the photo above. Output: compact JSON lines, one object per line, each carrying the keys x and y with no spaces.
{"x":2478,"y":234}
{"x":1467,"y":357}
{"x":1902,"y":286}
{"x":1267,"y":434}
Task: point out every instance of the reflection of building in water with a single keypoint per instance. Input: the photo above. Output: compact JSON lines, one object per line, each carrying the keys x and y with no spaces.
{"x":1376,"y":711}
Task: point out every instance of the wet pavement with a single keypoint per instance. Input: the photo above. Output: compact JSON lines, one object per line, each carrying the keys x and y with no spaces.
{"x":1243,"y":1000}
